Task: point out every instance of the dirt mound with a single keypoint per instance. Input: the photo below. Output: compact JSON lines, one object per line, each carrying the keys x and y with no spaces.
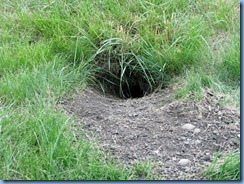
{"x":180,"y":136}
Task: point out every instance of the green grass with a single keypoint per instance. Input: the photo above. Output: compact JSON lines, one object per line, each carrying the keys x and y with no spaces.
{"x":230,"y":66}
{"x":195,"y":81}
{"x":36,"y":138}
{"x":49,"y":80}
{"x":227,"y":168}
{"x":37,"y":144}
{"x":220,"y":65}
{"x":50,"y":48}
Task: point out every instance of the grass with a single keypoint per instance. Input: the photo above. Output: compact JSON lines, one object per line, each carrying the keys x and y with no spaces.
{"x":49,"y":80}
{"x":36,"y":140}
{"x":225,"y":168}
{"x":39,"y":146}
{"x":229,"y":68}
{"x":220,"y":67}
{"x":50,"y":48}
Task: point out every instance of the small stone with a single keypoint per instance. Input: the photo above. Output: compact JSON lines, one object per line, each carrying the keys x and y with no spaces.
{"x":133,"y":114}
{"x":186,"y":142}
{"x":187,"y":169}
{"x":197,"y":141}
{"x":182,"y":138}
{"x":209,"y":125}
{"x":207,"y":158}
{"x":199,"y":116}
{"x":196,"y":130}
{"x":184,"y":162}
{"x":167,"y":158}
{"x":157,"y":153}
{"x":188,"y":126}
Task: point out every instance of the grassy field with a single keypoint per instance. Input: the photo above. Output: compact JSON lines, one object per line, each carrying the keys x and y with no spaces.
{"x":50,"y":48}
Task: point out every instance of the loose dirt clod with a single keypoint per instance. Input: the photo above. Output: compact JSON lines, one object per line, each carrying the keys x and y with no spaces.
{"x":150,"y":128}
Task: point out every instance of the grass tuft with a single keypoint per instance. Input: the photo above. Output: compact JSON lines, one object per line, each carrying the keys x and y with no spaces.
{"x":230,"y":66}
{"x":37,"y":144}
{"x":227,"y":168}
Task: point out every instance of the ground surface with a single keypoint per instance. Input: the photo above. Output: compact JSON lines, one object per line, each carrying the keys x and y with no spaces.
{"x":151,"y":128}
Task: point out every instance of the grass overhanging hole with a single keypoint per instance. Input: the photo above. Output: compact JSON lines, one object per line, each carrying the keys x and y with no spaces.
{"x":132,"y":85}
{"x":123,"y":72}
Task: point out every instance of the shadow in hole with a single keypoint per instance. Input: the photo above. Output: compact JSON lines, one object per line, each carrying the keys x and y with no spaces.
{"x":132,"y":91}
{"x":133,"y":85}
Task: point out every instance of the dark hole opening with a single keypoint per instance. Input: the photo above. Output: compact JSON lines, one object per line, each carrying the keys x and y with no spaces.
{"x":132,"y":85}
{"x":132,"y":91}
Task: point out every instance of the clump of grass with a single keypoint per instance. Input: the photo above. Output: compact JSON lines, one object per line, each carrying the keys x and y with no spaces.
{"x":23,"y":55}
{"x":195,"y":82}
{"x":122,"y":67}
{"x":37,"y":144}
{"x":221,"y":15}
{"x":230,"y":65}
{"x":144,"y":170}
{"x":227,"y":168}
{"x":220,"y":65}
{"x":47,"y":80}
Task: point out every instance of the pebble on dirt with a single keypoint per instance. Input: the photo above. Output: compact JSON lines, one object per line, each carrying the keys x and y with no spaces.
{"x":197,"y":141}
{"x":188,"y":126}
{"x":196,"y":130}
{"x":184,"y":162}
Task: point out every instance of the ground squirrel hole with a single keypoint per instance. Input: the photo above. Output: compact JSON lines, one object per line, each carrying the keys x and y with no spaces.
{"x":131,"y":85}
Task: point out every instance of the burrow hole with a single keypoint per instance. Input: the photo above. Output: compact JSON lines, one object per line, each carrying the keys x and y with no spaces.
{"x":131,"y":85}
{"x":121,"y":74}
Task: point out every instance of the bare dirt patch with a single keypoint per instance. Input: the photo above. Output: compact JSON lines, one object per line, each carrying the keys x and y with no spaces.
{"x":151,"y":128}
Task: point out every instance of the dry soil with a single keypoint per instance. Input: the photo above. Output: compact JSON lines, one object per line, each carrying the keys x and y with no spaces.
{"x":159,"y":129}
